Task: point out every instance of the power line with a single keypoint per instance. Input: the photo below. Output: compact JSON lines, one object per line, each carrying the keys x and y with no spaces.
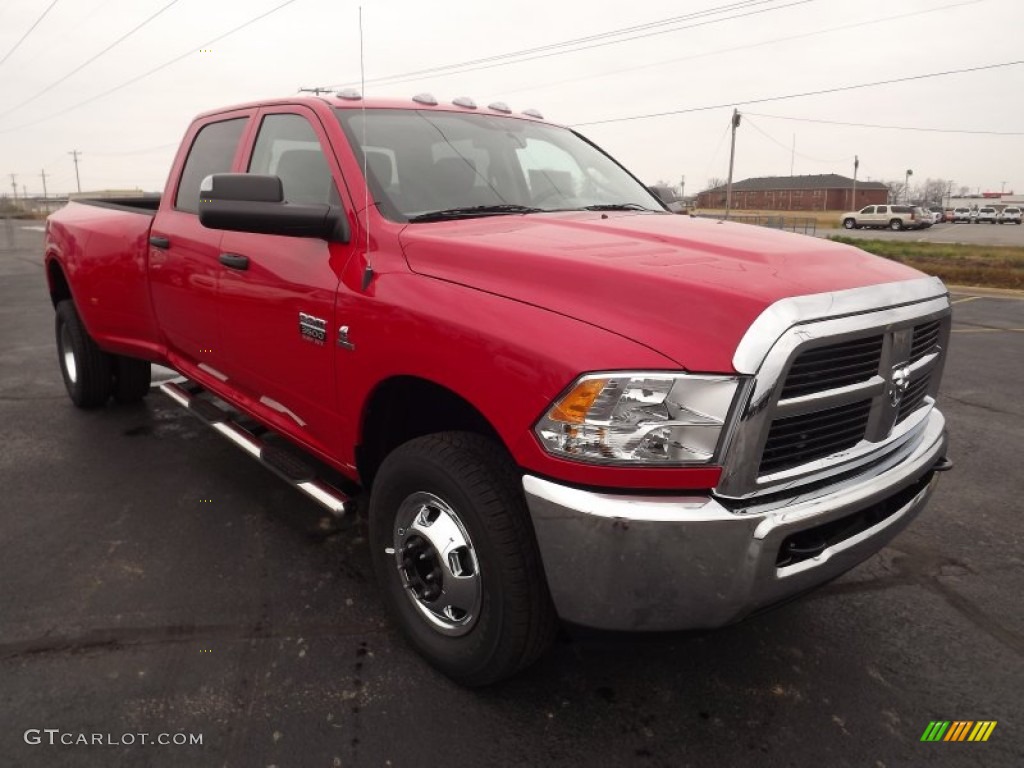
{"x":546,"y":51}
{"x":89,"y":61}
{"x":819,"y":92}
{"x":29,"y":32}
{"x":152,"y":71}
{"x":734,"y":49}
{"x":892,"y":127}
{"x":788,"y":149}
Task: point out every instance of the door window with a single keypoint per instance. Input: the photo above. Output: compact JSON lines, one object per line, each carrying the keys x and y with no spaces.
{"x":882,"y":209}
{"x":288,"y":147}
{"x":869,"y":209}
{"x":213,"y":151}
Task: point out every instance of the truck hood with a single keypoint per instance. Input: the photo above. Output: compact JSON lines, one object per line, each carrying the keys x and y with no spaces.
{"x":687,"y":288}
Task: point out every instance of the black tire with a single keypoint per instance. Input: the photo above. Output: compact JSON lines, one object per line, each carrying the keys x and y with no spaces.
{"x":513,"y":622}
{"x":896,"y":225}
{"x":86,"y":368}
{"x":849,"y":223}
{"x":131,"y":379}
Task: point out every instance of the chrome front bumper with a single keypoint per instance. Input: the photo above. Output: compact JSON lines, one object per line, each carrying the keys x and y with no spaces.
{"x":647,"y":562}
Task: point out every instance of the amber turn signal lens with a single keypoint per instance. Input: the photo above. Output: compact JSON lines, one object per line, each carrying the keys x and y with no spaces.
{"x":573,"y":408}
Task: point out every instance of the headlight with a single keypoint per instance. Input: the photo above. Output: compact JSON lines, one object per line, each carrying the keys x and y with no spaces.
{"x":661,"y":419}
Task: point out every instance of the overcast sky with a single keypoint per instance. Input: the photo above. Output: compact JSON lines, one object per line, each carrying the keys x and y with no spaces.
{"x":725,"y":53}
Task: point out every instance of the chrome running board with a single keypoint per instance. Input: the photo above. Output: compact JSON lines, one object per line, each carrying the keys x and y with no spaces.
{"x":282,"y":462}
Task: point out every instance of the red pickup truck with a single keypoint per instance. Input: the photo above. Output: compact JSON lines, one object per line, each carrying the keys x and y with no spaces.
{"x":559,"y":400}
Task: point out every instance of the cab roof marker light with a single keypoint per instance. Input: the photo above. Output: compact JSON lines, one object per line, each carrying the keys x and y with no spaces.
{"x":533,"y":113}
{"x":425,"y":98}
{"x":499,"y":106}
{"x":464,"y":101}
{"x":349,"y":94}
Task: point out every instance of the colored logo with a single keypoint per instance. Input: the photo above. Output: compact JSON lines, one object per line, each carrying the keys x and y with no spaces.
{"x":959,"y":730}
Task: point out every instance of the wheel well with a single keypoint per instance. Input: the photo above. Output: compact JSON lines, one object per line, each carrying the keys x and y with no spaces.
{"x":59,"y":288}
{"x":406,"y":407}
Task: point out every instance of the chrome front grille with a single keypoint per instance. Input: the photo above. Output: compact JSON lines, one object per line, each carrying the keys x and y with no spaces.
{"x":926,"y":336}
{"x":839,"y":381}
{"x":834,"y":365}
{"x":795,"y":440}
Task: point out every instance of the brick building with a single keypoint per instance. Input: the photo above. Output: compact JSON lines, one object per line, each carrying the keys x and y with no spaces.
{"x":825,"y":192}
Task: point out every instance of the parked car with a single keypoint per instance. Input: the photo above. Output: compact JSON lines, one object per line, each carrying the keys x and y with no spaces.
{"x":949,"y":215}
{"x":986,"y":215}
{"x":551,"y":398}
{"x":894,"y":217}
{"x":962,"y":214}
{"x":924,"y":217}
{"x":1010,"y":215}
{"x":936,"y":212}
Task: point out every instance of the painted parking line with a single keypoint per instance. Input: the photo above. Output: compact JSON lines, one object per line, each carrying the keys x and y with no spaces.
{"x":969,"y":298}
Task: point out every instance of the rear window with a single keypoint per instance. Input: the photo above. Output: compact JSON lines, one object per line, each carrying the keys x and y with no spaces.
{"x":1012,"y":210}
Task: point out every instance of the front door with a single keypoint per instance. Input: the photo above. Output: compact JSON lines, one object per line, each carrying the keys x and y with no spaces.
{"x":277,"y":300}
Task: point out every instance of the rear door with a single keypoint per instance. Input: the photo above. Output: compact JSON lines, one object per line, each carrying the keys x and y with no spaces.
{"x":183,"y":254}
{"x":277,"y":310}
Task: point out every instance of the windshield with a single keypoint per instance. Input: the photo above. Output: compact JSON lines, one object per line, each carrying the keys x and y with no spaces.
{"x":424,"y":162}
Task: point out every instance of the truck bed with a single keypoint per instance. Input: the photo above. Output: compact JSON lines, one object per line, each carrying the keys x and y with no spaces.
{"x":104,"y":244}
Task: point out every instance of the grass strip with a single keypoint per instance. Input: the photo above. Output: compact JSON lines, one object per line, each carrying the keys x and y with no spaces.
{"x":993,"y":266}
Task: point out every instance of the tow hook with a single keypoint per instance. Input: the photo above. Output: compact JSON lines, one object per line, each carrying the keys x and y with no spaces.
{"x":802,"y":546}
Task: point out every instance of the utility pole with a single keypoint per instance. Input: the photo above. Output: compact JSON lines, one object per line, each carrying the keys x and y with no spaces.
{"x":906,"y":186}
{"x":792,"y":155}
{"x":949,"y":194}
{"x":75,"y":153}
{"x":856,"y":165}
{"x":1003,"y":190}
{"x":682,"y":187}
{"x":42,"y":173}
{"x":14,"y":186}
{"x":732,"y":157}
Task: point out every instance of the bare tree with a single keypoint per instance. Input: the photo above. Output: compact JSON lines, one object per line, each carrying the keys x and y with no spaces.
{"x":895,"y":190}
{"x":714,"y":183}
{"x":963,"y":191}
{"x":931,"y":192}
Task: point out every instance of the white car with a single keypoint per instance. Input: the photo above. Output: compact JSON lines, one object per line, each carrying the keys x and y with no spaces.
{"x":986,"y":215}
{"x":962,"y":214}
{"x":1010,"y":215}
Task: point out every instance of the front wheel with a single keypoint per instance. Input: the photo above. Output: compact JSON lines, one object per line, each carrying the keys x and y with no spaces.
{"x":849,"y":223}
{"x":896,"y":225}
{"x":454,"y":553}
{"x":86,"y":368}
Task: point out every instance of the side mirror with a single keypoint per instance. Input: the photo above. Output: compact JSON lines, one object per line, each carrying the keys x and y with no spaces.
{"x":251,"y":202}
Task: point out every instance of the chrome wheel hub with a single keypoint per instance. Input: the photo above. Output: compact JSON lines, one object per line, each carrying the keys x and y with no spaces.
{"x":437,"y":563}
{"x":67,"y":356}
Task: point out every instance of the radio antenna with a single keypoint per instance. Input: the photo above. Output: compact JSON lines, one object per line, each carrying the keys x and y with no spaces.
{"x":368,"y":269}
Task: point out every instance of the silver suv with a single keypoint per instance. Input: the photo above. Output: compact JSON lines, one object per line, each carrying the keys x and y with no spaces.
{"x":987,"y":215}
{"x":894,"y":217}
{"x":1010,"y":215}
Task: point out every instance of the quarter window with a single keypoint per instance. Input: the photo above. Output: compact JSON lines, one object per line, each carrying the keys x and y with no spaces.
{"x":213,"y":151}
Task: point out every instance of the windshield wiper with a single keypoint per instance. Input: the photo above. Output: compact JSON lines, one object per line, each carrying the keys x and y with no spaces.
{"x":474,"y":210}
{"x":616,"y":207}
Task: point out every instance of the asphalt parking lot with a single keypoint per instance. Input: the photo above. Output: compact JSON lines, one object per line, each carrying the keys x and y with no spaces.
{"x":973,"y":234}
{"x":156,"y":580}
